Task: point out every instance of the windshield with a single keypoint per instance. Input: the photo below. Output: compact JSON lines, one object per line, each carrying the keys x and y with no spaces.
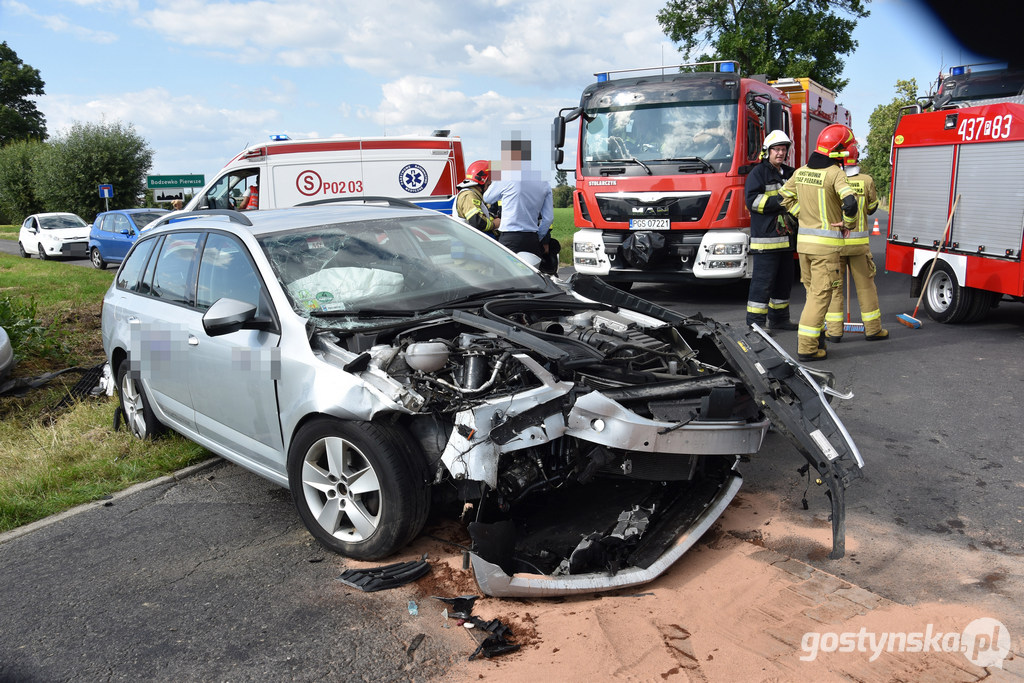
{"x":401,"y":266}
{"x":701,"y":130}
{"x":61,"y":222}
{"x":144,"y":218}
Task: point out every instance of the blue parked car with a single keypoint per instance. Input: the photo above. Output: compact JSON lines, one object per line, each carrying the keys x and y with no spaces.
{"x":114,"y":232}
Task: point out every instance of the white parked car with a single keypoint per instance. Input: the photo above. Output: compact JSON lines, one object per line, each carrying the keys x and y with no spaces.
{"x":49,"y":235}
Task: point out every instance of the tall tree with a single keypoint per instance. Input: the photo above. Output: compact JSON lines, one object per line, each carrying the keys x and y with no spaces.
{"x":67,"y":175}
{"x":19,"y":118}
{"x":779,"y":38}
{"x":882,"y":125}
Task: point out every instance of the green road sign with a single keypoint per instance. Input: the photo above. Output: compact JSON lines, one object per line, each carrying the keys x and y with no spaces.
{"x":159,"y":182}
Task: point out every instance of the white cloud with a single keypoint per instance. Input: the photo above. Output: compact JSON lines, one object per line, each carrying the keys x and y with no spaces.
{"x":58,"y":23}
{"x":188,"y":133}
{"x":531,"y":42}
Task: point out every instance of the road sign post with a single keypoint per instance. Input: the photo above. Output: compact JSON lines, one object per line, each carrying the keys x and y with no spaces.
{"x":106,"y":192}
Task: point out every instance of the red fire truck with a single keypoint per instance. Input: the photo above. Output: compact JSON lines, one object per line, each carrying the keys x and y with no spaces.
{"x":661,"y":160}
{"x":972,"y":149}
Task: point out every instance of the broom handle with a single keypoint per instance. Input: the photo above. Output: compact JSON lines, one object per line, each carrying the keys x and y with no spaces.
{"x":945,"y":233}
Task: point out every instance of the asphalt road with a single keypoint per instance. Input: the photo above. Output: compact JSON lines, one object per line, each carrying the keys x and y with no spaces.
{"x":214,"y":578}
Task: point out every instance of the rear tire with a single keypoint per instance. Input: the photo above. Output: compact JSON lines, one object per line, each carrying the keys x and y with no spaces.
{"x":981,"y":303}
{"x":138,"y":415}
{"x":944,"y":299}
{"x":359,"y":487}
{"x":97,"y":259}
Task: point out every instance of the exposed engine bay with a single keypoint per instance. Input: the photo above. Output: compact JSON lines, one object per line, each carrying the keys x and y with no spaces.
{"x":594,"y":435}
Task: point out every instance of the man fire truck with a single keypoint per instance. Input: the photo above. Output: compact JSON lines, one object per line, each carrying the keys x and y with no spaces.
{"x":969,"y":151}
{"x":661,"y":161}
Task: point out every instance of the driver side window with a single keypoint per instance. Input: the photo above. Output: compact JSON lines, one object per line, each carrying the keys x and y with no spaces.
{"x":232,"y":191}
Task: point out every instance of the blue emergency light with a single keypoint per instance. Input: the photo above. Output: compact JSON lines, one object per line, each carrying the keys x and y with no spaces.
{"x":601,"y":78}
{"x":958,"y":71}
{"x":278,"y":137}
{"x":728,"y":67}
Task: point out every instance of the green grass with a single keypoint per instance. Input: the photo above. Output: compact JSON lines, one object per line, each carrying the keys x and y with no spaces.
{"x":53,"y":459}
{"x":562,"y":230}
{"x":9,"y":232}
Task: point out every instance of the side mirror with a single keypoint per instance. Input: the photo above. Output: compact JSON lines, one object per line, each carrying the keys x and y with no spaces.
{"x":226,"y":316}
{"x":775,"y":119}
{"x":558,"y":131}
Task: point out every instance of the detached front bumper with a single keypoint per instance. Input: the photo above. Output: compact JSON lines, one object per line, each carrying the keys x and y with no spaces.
{"x":677,"y":529}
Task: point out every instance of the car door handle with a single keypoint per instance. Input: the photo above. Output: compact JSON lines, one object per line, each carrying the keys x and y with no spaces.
{"x":193,"y":340}
{"x":133,"y":320}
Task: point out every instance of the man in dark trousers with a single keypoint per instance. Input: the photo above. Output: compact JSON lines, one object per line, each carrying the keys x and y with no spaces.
{"x":772,"y":239}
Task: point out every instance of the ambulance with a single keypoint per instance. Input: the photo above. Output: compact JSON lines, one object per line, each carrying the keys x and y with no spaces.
{"x":284,"y":172}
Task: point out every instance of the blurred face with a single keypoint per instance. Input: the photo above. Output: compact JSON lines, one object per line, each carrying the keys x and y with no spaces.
{"x":777,"y":155}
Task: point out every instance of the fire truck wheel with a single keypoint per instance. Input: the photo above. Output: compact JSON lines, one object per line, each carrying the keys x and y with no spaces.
{"x":982,"y":303}
{"x":944,"y":299}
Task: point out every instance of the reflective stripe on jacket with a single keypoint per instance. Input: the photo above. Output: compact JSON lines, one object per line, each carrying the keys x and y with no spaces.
{"x":816,"y":195}
{"x":762,"y":198}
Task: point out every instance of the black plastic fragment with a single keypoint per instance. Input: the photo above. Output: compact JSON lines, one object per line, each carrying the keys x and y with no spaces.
{"x":373,"y":579}
{"x":462,"y":606}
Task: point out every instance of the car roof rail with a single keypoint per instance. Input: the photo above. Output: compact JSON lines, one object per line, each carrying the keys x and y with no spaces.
{"x":366,"y":199}
{"x":233,"y":216}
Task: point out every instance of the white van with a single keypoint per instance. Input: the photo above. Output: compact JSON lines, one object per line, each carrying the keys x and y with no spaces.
{"x":284,"y":172}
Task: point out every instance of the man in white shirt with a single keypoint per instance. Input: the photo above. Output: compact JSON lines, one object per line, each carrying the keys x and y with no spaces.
{"x":527,"y":209}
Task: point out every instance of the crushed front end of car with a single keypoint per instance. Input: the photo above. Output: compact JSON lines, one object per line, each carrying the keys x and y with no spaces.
{"x":592,"y":436}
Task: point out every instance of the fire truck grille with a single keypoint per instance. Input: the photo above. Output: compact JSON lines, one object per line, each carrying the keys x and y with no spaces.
{"x":688,"y":209}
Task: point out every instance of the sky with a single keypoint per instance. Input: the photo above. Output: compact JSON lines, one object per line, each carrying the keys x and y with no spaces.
{"x":200,"y":80}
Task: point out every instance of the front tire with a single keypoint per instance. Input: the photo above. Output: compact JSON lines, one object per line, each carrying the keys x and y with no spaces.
{"x":97,"y":259}
{"x":359,"y":487}
{"x":41,"y":252}
{"x":21,"y":250}
{"x":138,"y":414}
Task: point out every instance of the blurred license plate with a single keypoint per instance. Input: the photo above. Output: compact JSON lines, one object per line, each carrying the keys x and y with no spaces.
{"x":649,"y":224}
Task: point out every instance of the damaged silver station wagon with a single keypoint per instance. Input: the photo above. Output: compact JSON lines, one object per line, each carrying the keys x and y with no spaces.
{"x":379,"y":360}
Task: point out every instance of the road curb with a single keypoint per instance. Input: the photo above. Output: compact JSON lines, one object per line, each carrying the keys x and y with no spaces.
{"x":183,"y":473}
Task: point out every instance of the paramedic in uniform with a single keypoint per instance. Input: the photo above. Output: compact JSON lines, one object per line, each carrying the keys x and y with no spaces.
{"x":527,"y":208}
{"x":469,"y":204}
{"x":771,"y":244}
{"x":856,"y":255}
{"x":827,"y":209}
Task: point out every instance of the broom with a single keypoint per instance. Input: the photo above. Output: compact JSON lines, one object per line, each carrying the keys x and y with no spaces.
{"x":911,"y":321}
{"x":848,"y":326}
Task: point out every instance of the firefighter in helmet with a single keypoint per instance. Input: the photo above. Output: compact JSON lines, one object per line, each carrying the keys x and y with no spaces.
{"x":827,"y":209}
{"x":856,"y":255}
{"x":469,"y":204}
{"x":771,"y":237}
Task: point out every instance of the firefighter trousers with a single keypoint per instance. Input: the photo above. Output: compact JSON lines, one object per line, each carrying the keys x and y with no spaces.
{"x":862,"y":271}
{"x":820,"y":275}
{"x":771,"y":283}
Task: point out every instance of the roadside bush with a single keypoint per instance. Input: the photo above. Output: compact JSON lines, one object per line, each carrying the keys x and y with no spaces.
{"x":28,"y":336}
{"x":17,"y":196}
